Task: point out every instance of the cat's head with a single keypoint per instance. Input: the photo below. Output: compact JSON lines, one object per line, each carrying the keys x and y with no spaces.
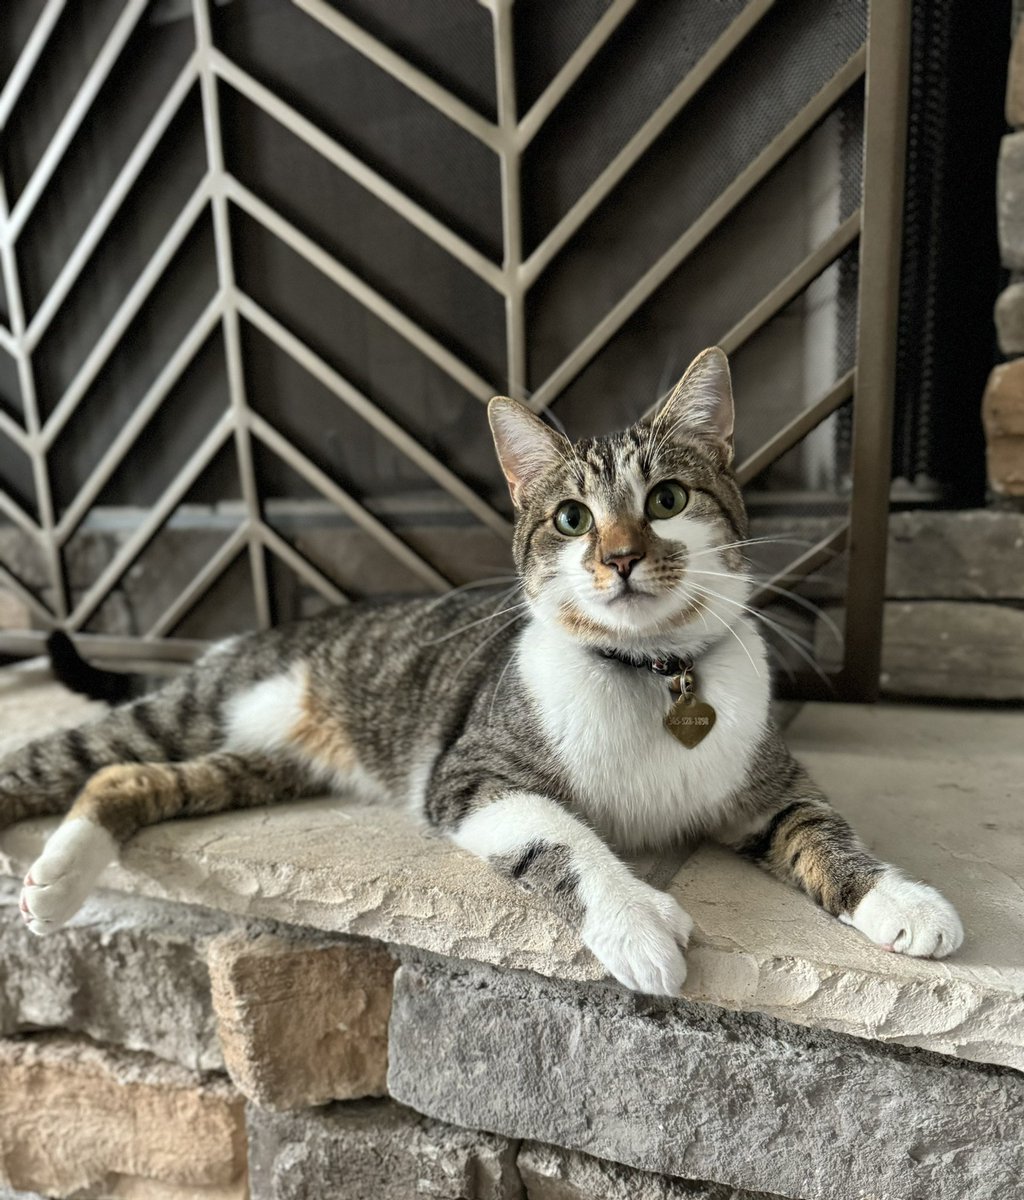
{"x":629,"y":540}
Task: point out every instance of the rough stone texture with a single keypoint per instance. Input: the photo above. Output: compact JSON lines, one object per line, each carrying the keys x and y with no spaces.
{"x":947,"y":651}
{"x":74,"y":1116}
{"x":1010,"y":200}
{"x":125,"y":970}
{"x":934,"y":789}
{"x":375,"y":1150}
{"x":1015,"y":82}
{"x":1002,"y":413}
{"x":1005,"y":459}
{"x":938,"y":792}
{"x":302,"y":1022}
{"x":971,"y":555}
{"x":695,"y":1091}
{"x":1009,"y":317}
{"x":551,"y":1173}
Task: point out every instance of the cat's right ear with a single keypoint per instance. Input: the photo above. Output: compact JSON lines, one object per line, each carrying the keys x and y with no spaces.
{"x":526,"y":446}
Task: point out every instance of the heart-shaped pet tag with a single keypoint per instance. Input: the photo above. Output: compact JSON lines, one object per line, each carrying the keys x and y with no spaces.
{"x":690,"y":721}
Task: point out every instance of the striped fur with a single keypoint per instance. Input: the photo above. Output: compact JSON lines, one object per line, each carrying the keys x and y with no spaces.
{"x":494,"y":716}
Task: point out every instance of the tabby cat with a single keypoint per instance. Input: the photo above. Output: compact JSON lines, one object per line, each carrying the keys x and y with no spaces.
{"x":531,"y":731}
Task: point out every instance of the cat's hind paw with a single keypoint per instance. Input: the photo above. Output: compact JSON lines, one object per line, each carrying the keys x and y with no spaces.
{"x":640,"y":940}
{"x":61,"y":878}
{"x":908,"y":918}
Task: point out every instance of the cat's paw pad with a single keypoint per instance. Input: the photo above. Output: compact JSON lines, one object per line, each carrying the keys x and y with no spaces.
{"x":64,"y":874}
{"x":907,"y":917}
{"x":640,"y":940}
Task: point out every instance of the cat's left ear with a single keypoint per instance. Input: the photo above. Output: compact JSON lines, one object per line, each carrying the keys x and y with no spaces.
{"x":701,"y":402}
{"x":526,"y":446}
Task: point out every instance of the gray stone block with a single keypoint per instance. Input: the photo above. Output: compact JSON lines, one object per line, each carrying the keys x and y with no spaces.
{"x":1010,"y":200}
{"x":374,"y":1150}
{"x":126,"y":971}
{"x":550,"y":1173}
{"x":701,"y":1093}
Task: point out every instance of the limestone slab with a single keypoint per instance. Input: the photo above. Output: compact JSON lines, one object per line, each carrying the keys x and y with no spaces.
{"x":375,"y":1151}
{"x":936,"y":790}
{"x":689,"y":1089}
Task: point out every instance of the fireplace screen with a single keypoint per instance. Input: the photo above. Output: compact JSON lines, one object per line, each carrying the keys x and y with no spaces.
{"x":263,"y":262}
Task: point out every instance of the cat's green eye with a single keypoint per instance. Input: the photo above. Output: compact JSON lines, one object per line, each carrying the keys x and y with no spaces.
{"x":667,"y":499}
{"x":573,"y":519}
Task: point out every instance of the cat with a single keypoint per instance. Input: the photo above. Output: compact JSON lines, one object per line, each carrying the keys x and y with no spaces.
{"x":530,"y":727}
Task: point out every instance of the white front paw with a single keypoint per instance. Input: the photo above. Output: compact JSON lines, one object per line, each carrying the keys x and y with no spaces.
{"x":910,"y":918}
{"x":61,"y":878}
{"x":639,"y":938}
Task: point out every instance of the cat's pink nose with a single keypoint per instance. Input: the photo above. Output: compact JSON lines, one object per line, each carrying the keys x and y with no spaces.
{"x":623,"y":563}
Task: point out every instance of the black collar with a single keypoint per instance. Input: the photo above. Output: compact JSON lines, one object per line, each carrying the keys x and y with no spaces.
{"x":662,"y":664}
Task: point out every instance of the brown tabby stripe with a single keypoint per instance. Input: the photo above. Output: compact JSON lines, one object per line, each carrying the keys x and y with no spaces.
{"x":810,"y":844}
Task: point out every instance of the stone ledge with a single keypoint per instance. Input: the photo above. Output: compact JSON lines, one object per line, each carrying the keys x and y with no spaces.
{"x":933,"y":789}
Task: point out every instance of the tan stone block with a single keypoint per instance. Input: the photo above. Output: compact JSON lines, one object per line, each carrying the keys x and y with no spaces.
{"x":302,"y":1022}
{"x":75,"y":1117}
{"x":1015,"y":81}
{"x":1006,"y":465}
{"x":1002,"y":406}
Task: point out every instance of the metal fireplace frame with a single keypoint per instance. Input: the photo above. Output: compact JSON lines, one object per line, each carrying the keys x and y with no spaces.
{"x":884,"y":64}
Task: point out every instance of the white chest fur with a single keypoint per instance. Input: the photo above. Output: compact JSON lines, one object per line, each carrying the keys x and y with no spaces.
{"x":636,"y":784}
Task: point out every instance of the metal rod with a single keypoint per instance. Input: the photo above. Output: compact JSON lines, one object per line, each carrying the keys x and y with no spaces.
{"x":511,"y":200}
{"x":232,"y":334}
{"x":43,"y":532}
{"x":326,"y":486}
{"x":569,"y":74}
{"x":302,"y":566}
{"x":154,"y":520}
{"x":57,"y":146}
{"x":358,"y":288}
{"x":28,"y":58}
{"x":817,"y":556}
{"x":13,"y":584}
{"x":356,"y":169}
{"x":155,"y":395}
{"x":794,"y":283}
{"x":401,"y":69}
{"x":31,"y":642}
{"x":372,"y":415}
{"x":885,"y":136}
{"x":112,"y":201}
{"x":126,"y":313}
{"x":211,"y":571}
{"x":644,"y":138}
{"x":795,"y":430}
{"x":709,"y":220}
